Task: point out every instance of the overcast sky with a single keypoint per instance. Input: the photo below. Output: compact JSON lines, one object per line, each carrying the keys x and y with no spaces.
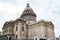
{"x":44,"y":9}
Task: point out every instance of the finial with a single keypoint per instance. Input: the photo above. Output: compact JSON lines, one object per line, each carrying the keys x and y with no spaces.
{"x":27,"y":4}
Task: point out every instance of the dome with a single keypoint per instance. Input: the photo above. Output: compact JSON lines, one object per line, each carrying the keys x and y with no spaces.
{"x":28,"y":15}
{"x":28,"y":11}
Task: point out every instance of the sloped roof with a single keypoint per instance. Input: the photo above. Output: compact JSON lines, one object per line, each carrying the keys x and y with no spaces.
{"x":28,"y":11}
{"x":7,"y":23}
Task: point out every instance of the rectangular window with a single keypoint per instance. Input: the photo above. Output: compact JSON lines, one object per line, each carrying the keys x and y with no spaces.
{"x":16,"y":36}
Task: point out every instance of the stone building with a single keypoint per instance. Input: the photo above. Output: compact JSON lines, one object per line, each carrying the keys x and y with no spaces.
{"x":26,"y":27}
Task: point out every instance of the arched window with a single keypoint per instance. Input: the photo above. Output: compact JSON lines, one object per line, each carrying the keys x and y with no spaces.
{"x":22,"y":28}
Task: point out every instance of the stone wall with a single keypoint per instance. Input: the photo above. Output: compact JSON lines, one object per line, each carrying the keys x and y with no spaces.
{"x":41,"y":30}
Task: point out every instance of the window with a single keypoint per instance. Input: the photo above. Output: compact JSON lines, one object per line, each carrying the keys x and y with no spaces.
{"x":26,"y":26}
{"x":16,"y":36}
{"x":29,"y":17}
{"x":45,"y":35}
{"x":10,"y":38}
{"x":35,"y":38}
{"x":27,"y":11}
{"x":22,"y":28}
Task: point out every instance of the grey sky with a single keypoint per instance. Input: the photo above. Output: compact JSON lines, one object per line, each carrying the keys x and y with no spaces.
{"x":45,"y":9}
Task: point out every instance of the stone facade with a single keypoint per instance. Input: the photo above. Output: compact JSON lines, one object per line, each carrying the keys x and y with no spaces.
{"x":41,"y":29}
{"x":20,"y":29}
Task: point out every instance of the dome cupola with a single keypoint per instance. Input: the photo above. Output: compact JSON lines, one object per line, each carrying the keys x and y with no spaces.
{"x":28,"y":14}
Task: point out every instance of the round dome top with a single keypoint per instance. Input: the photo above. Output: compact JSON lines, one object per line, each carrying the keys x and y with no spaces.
{"x":28,"y":7}
{"x":28,"y":11}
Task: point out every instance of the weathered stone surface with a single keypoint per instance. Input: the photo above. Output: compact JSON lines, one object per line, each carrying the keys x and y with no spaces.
{"x":20,"y":29}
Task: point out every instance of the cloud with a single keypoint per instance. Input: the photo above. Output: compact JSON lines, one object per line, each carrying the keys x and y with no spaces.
{"x":8,"y":1}
{"x":7,"y":12}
